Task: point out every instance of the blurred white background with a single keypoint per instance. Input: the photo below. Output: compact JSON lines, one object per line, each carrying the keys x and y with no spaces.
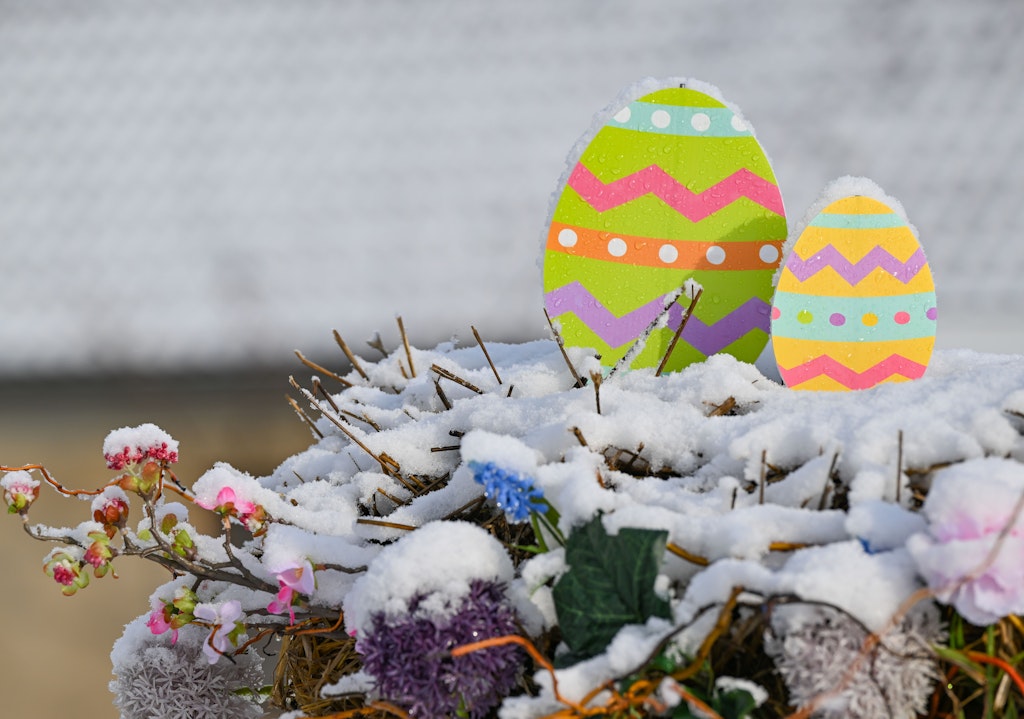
{"x":187,"y":184}
{"x":194,"y":187}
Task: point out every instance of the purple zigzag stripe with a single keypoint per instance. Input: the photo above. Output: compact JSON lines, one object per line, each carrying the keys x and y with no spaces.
{"x":829,"y":256}
{"x":616,"y":331}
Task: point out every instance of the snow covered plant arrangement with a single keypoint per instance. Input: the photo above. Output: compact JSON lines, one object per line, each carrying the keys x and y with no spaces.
{"x":497,"y":531}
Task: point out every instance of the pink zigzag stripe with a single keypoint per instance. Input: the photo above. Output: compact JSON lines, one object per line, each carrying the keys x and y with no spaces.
{"x":853,"y":273}
{"x":851,"y":379}
{"x":617,"y":331}
{"x":693,"y":206}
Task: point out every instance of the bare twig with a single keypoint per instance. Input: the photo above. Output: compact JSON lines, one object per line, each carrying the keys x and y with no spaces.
{"x":336,"y":421}
{"x":442,"y":372}
{"x":723,"y":409}
{"x":899,"y":465}
{"x":561,"y":348}
{"x":378,"y":344}
{"x":304,"y":417}
{"x":382,"y":523}
{"x":579,"y":437}
{"x":486,"y":354}
{"x":595,"y":379}
{"x":764,"y":476}
{"x":688,"y":556}
{"x":350,"y":355}
{"x":319,"y":388}
{"x":319,"y":368}
{"x":828,"y":481}
{"x":442,"y":396}
{"x":679,"y":333}
{"x":405,"y":343}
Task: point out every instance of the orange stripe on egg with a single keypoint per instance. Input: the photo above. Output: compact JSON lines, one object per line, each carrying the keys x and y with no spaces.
{"x":652,"y":252}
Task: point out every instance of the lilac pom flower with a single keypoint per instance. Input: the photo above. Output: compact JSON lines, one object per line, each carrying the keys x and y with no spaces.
{"x":409,"y":658}
{"x":815,"y":648}
{"x":513,"y":493}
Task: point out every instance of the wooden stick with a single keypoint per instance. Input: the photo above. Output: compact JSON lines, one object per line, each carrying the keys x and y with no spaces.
{"x":764,"y":475}
{"x":318,"y":387}
{"x":561,"y":348}
{"x":314,"y":366}
{"x":304,"y":417}
{"x":336,"y":421}
{"x":486,"y":354}
{"x":679,"y":332}
{"x":899,"y":465}
{"x":378,"y":344}
{"x":440,"y":393}
{"x":455,"y":378}
{"x":688,"y":556}
{"x":382,"y":523}
{"x":405,"y":343}
{"x":350,"y":355}
{"x":579,"y":437}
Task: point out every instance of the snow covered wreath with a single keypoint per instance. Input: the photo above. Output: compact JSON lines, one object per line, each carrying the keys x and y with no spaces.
{"x":494,"y":530}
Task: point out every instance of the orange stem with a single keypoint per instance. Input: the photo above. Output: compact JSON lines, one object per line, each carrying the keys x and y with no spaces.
{"x":300,"y":632}
{"x":695,"y":702}
{"x":54,"y":483}
{"x":1002,"y":664}
{"x":531,"y":650}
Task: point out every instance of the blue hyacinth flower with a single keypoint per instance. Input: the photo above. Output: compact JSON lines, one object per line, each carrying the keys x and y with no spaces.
{"x":512,"y":492}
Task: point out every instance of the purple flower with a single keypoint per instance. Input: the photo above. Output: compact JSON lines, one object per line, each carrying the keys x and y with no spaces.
{"x":513,"y":493}
{"x":409,"y":658}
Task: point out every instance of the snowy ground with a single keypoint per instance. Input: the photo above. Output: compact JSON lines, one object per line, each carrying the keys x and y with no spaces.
{"x":190,"y":185}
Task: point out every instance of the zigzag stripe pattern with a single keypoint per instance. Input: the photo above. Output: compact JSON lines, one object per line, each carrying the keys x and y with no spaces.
{"x":616,"y":331}
{"x":654,"y":180}
{"x":849,"y":378}
{"x":853,"y":273}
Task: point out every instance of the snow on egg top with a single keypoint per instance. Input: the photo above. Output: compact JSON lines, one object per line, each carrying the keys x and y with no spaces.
{"x":674,"y":186}
{"x":855,"y":305}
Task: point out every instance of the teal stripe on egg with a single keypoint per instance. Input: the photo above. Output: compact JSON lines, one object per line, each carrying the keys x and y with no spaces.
{"x":851,"y":319}
{"x":680,"y":120}
{"x":838,"y":221}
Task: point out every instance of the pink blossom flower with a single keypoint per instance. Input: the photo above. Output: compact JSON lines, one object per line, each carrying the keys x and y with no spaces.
{"x":229,"y":504}
{"x":970,"y":507}
{"x":295,"y":580}
{"x":227,"y":627}
{"x":159,"y":620}
{"x":172,"y":616}
{"x":20,"y":490}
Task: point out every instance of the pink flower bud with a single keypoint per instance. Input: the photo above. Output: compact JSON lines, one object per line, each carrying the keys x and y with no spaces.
{"x":132,"y":445}
{"x":66,"y":569}
{"x":20,"y":491}
{"x":111,"y":510}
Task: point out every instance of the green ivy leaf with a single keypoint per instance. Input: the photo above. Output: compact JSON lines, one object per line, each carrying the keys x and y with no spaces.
{"x":735,"y":704}
{"x":610,"y":583}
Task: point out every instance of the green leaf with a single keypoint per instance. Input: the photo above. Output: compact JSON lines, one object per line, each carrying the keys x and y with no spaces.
{"x":610,"y":583}
{"x":735,"y":704}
